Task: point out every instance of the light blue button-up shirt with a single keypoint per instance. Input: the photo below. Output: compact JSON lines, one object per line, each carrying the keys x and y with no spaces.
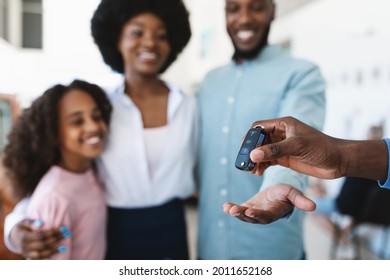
{"x":386,"y":184}
{"x":231,"y":98}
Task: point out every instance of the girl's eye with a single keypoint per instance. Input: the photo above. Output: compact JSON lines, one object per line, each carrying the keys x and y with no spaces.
{"x":76,"y":122}
{"x":136,"y":33}
{"x":97,"y":117}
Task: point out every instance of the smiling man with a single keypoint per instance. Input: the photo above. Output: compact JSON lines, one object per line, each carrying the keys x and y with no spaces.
{"x":261,"y":82}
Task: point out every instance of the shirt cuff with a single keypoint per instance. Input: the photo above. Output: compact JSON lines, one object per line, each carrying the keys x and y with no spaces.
{"x":386,"y":184}
{"x":282,"y":175}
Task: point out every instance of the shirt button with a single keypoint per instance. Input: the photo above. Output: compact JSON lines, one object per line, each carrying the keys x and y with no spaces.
{"x":223,"y":161}
{"x":221,"y":224}
{"x":230,"y":100}
{"x":225,"y":129}
{"x":223,"y":192}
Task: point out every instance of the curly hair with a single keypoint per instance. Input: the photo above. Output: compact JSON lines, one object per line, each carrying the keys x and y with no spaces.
{"x":111,"y":15}
{"x":33,"y":143}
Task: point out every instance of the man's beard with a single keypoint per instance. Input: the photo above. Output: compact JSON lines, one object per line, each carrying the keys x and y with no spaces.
{"x":250,"y":54}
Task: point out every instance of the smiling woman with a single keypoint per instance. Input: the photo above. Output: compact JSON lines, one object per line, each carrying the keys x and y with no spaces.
{"x":145,"y":187}
{"x":143,"y":45}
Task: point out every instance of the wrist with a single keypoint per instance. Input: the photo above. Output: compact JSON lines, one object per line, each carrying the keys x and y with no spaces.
{"x":366,"y":159}
{"x":346,"y":151}
{"x":14,"y":238}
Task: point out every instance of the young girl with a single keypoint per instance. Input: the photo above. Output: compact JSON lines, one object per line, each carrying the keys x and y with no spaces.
{"x":50,"y":156}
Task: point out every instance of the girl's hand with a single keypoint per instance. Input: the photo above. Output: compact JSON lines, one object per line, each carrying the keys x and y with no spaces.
{"x":36,"y":243}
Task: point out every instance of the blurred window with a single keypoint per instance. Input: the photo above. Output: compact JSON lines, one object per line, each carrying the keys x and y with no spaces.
{"x":3,"y":19}
{"x":32,"y":24}
{"x":9,"y":111}
{"x":5,"y":122}
{"x":21,"y":23}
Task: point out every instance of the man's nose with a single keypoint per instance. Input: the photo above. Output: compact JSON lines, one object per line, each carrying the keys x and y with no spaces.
{"x":245,"y":16}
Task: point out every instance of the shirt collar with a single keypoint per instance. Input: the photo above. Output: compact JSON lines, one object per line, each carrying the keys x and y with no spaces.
{"x":175,"y":97}
{"x":267,"y":53}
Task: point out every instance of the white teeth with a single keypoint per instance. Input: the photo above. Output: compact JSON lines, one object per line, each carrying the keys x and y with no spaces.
{"x":245,"y":34}
{"x":148,"y":55}
{"x":92,"y":140}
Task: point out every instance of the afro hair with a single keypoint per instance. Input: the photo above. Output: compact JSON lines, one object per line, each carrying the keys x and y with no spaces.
{"x":111,"y":15}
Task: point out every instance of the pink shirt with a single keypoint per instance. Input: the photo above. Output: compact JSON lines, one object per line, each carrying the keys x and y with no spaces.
{"x":75,"y":200}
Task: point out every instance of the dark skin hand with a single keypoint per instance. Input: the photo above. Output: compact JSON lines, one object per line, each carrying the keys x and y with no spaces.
{"x":297,"y":146}
{"x":35,"y":244}
{"x":302,"y":148}
{"x":270,"y":205}
{"x":291,"y":144}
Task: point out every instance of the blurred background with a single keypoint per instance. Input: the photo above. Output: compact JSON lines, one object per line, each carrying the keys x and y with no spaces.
{"x":44,"y":42}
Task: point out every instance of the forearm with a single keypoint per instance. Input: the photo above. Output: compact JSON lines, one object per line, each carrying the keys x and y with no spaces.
{"x":11,"y":220}
{"x":366,"y":159}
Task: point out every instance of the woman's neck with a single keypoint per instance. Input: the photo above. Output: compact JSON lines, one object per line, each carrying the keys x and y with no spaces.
{"x":143,"y":87}
{"x":150,"y":96}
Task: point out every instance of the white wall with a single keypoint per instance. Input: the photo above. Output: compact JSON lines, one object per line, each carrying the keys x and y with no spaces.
{"x":346,"y":37}
{"x":7,"y":58}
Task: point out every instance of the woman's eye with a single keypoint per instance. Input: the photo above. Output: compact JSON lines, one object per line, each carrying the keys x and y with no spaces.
{"x":162,"y":36}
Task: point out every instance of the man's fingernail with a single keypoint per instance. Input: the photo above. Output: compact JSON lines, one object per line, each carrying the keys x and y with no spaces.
{"x":67,"y":234}
{"x":257,"y":153}
{"x":63,"y":229}
{"x":37,"y":223}
{"x":62,"y":249}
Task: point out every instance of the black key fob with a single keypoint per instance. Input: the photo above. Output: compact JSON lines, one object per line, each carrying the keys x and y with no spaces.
{"x":254,"y":138}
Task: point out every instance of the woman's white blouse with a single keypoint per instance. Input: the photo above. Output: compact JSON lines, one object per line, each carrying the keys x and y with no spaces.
{"x":123,"y":166}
